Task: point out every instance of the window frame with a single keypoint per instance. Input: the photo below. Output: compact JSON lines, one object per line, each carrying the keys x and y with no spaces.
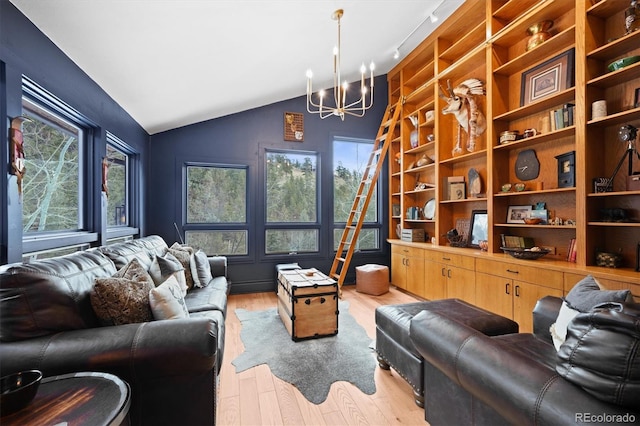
{"x":131,"y":185}
{"x":213,"y":226}
{"x":293,"y":226}
{"x":339,"y":226}
{"x":33,"y":242}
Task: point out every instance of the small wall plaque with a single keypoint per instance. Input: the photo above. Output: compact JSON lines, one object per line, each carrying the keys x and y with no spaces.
{"x":567,"y":170}
{"x":293,"y":127}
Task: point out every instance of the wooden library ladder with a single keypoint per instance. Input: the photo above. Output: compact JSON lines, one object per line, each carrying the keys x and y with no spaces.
{"x":363,"y":196}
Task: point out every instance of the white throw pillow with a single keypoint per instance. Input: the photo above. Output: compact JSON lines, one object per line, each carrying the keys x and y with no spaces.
{"x":167,"y":301}
{"x":559,"y":328}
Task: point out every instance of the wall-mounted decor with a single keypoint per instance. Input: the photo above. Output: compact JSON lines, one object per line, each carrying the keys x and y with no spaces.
{"x":566,"y":169}
{"x":293,"y":126}
{"x":547,"y":78}
{"x":517,"y":214}
{"x":16,"y":150}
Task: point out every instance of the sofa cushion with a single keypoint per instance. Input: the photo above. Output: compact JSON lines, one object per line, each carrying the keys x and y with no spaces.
{"x":144,"y":249}
{"x":586,"y":294}
{"x":162,"y":267}
{"x":167,"y":300}
{"x":210,"y":298}
{"x":50,"y":295}
{"x":123,"y":298}
{"x":602,"y":353}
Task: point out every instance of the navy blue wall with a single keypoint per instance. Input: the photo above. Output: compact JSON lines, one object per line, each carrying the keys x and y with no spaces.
{"x":242,"y":139}
{"x":25,"y":50}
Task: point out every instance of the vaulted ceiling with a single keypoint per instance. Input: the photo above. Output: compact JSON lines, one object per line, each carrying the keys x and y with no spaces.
{"x":171,"y":63}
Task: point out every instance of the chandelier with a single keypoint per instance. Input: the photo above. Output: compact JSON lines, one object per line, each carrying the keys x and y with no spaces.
{"x":341,"y":107}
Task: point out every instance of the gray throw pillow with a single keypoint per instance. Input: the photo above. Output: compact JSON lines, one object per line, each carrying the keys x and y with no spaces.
{"x":587,"y":293}
{"x":203,"y":268}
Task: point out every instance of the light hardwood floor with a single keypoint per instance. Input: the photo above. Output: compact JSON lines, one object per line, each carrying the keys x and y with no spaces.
{"x":256,"y":397}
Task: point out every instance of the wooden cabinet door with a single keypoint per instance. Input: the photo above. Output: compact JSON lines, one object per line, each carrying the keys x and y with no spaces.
{"x":435,"y":279}
{"x":398,"y":270}
{"x":525,"y":296}
{"x":415,"y":275}
{"x":494,"y":294}
{"x":461,"y":284}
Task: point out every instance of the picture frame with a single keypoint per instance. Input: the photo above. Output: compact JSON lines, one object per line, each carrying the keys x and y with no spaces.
{"x":636,"y":99}
{"x":517,"y":214}
{"x":478,"y":228}
{"x":294,"y":127}
{"x":547,"y":78}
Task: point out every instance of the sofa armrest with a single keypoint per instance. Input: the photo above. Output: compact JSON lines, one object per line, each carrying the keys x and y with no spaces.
{"x":218,"y":266}
{"x":135,"y":352}
{"x":544,"y":314}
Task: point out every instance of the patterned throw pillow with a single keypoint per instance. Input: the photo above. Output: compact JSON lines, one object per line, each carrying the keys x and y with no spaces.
{"x":123,"y":298}
{"x":167,"y":302}
{"x":186,"y":257}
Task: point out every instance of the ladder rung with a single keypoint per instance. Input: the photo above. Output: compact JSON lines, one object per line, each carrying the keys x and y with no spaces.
{"x":376,"y":152}
{"x":335,"y":276}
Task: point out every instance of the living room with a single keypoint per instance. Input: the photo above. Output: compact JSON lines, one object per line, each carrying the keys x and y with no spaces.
{"x":246,"y":143}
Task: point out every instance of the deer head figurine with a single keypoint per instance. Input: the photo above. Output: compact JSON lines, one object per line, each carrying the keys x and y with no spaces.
{"x":461,"y":103}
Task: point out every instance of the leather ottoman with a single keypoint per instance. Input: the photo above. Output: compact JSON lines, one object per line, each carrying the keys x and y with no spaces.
{"x":372,"y":279}
{"x":394,"y":346}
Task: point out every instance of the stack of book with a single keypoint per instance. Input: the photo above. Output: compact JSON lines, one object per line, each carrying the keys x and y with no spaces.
{"x":562,"y":117}
{"x":513,"y":241}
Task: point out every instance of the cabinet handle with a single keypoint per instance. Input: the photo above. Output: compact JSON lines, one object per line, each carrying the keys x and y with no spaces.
{"x":442,"y":272}
{"x":446,"y":258}
{"x":513,"y":272}
{"x":517,"y":291}
{"x":506,"y":288}
{"x":407,"y":262}
{"x":449,"y":273}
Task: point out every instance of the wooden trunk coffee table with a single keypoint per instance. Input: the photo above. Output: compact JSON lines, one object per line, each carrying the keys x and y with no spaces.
{"x":76,"y":399}
{"x":308,"y":303}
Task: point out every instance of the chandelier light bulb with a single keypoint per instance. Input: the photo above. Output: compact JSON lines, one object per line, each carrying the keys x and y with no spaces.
{"x":372,"y":66}
{"x":321,"y":94}
{"x":363,"y":69}
{"x":309,"y":74}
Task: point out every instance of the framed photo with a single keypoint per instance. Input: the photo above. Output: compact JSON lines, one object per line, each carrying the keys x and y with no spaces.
{"x":636,"y":99}
{"x":478,"y":228}
{"x":517,"y":214}
{"x":293,"y":127}
{"x":547,"y":78}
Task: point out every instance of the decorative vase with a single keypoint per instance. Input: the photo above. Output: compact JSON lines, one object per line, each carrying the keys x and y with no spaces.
{"x":539,"y":33}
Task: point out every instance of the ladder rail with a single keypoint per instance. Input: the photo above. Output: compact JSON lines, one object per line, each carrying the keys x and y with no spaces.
{"x":364,"y":193}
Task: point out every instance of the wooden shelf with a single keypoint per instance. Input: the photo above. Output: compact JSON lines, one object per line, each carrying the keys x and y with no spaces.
{"x":616,"y":77}
{"x":547,"y":103}
{"x":468,"y":41}
{"x":615,"y":224}
{"x":465,"y":157}
{"x":616,"y":48}
{"x":617,"y":118}
{"x":533,"y":192}
{"x":538,"y":139}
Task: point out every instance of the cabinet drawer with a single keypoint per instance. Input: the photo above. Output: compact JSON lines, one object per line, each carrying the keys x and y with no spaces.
{"x":451,"y":259}
{"x":531,"y":274}
{"x":407,"y":251}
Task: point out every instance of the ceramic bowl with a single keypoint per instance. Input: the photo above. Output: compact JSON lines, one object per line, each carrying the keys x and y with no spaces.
{"x":18,"y":390}
{"x":519,"y":187}
{"x":506,"y":187}
{"x":532,"y":220}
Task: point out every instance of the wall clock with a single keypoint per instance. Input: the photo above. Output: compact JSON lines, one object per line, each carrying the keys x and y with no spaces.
{"x":566,"y":169}
{"x":527,"y":165}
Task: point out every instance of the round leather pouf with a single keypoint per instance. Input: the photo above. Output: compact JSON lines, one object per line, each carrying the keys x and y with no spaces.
{"x":372,"y":279}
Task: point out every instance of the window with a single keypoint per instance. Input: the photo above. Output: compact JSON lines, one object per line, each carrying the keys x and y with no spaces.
{"x":291,"y":202}
{"x":118,"y":210}
{"x":52,"y":184}
{"x":350,"y":158}
{"x":216,"y":209}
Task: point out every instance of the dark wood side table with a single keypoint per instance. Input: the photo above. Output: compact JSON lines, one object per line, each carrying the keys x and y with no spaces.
{"x":76,"y":399}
